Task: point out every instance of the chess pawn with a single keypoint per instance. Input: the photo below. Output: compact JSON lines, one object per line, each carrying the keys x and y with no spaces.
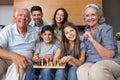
{"x":58,"y":62}
{"x":51,"y":63}
{"x":42,"y":62}
{"x":39,"y":62}
{"x":47,"y":61}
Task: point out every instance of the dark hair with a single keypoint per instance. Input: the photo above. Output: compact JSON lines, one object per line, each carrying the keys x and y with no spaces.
{"x":47,"y":28}
{"x":36,"y":8}
{"x":65,"y":17}
{"x":65,"y":46}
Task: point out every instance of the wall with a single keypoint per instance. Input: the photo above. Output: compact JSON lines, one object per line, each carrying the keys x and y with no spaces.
{"x":111,"y":10}
{"x":6,"y":14}
{"x":6,"y":2}
{"x":74,"y":7}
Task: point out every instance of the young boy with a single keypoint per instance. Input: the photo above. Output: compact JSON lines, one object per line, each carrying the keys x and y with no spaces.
{"x":45,"y":49}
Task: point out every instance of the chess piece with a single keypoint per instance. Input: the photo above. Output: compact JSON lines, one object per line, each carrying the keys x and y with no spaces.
{"x":42,"y":62}
{"x":51,"y":63}
{"x":39,"y":63}
{"x":58,"y":62}
{"x":47,"y":62}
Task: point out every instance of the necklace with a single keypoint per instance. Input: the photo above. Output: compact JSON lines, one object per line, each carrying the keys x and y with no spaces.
{"x":93,"y":28}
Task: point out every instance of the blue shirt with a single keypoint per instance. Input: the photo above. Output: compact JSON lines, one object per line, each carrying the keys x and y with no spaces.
{"x":82,"y":47}
{"x":11,"y":40}
{"x":38,"y":29}
{"x":104,"y":36}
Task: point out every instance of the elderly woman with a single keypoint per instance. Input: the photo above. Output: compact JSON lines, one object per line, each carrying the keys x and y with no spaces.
{"x":102,"y":58}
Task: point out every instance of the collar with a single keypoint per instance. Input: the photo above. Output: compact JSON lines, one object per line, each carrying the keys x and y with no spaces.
{"x":29,"y":29}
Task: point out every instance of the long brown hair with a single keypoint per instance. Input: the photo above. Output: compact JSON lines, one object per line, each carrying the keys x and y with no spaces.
{"x":64,"y":20}
{"x":65,"y":46}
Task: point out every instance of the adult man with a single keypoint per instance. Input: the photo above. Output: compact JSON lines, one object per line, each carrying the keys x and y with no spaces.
{"x":37,"y":14}
{"x":16,"y":44}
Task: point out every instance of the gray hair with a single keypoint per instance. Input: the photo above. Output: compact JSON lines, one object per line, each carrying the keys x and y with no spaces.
{"x":22,"y":8}
{"x":99,"y":12}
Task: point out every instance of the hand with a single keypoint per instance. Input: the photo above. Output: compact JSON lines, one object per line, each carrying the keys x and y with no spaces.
{"x":20,"y":61}
{"x":88,"y":36}
{"x":35,"y":58}
{"x":47,"y":57}
{"x":66,"y":59}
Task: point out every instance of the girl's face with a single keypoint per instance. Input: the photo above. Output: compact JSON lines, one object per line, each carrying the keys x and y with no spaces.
{"x":59,"y":16}
{"x":47,"y":37}
{"x":91,"y":17}
{"x":70,"y":33}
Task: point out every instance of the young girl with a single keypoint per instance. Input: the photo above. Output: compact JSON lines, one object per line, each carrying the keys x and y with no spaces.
{"x":43,"y":50}
{"x":71,"y":52}
{"x":60,"y":17}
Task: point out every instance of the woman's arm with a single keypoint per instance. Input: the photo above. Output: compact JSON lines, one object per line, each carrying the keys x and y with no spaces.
{"x":103,"y":52}
{"x":58,"y":36}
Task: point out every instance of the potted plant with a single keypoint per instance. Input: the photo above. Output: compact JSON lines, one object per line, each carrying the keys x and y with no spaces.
{"x":118,"y":40}
{"x":118,"y":36}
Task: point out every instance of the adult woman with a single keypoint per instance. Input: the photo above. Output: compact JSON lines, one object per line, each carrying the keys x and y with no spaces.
{"x":101,"y":54}
{"x":60,"y":17}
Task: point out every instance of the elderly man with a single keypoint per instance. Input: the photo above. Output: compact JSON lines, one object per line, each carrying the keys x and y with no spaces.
{"x":16,"y":45}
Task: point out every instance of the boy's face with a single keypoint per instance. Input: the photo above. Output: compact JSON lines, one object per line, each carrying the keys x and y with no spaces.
{"x":47,"y":37}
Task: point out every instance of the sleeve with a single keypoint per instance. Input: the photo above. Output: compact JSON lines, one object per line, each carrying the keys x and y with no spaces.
{"x":56,"y":48}
{"x":108,"y":38}
{"x":82,"y":46}
{"x":37,"y":47}
{"x":4,"y":37}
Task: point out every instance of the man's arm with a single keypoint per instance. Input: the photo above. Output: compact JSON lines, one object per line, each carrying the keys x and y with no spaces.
{"x":19,"y":60}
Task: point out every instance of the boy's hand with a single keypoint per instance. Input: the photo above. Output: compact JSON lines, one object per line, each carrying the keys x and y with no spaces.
{"x":35,"y":58}
{"x":47,"y":57}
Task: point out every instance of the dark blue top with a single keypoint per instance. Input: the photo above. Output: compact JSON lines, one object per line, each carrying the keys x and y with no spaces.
{"x":82,"y":47}
{"x":104,"y":36}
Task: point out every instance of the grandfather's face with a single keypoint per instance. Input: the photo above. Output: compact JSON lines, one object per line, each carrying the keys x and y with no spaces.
{"x":22,"y":19}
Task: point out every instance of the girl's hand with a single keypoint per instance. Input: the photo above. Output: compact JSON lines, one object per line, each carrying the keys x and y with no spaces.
{"x":66,"y":59}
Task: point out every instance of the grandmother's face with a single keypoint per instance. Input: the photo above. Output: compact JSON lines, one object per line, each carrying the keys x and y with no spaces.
{"x":91,"y":17}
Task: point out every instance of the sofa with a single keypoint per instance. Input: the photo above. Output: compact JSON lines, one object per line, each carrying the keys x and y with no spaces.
{"x":81,"y":32}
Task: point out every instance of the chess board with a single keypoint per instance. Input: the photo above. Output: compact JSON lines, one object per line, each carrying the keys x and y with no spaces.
{"x":50,"y":66}
{"x":46,"y":63}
